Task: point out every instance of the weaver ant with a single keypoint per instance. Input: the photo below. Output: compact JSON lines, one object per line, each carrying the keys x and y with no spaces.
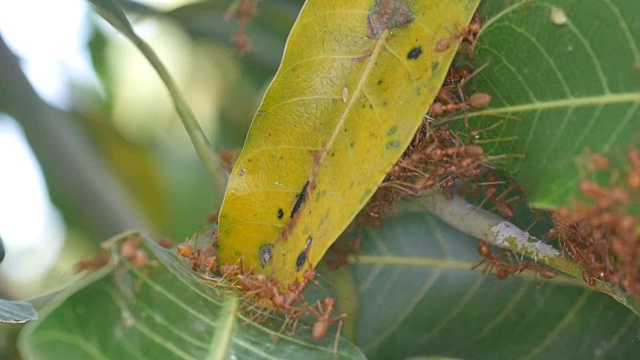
{"x":199,"y":257}
{"x":468,"y":33}
{"x":321,"y":326}
{"x":505,"y":268}
{"x":99,"y":261}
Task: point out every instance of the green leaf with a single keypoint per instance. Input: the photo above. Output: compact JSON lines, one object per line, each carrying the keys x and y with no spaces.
{"x":16,"y":312}
{"x":352,"y":89}
{"x":416,"y":295}
{"x":573,"y":83}
{"x":164,"y":311}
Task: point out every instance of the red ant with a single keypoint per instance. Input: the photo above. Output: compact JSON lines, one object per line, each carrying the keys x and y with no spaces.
{"x":167,"y":244}
{"x":504,"y":269}
{"x":321,"y":326}
{"x":185,"y":250}
{"x":468,"y":33}
{"x":244,"y":11}
{"x":99,"y":261}
{"x":477,"y":101}
{"x":131,"y":252}
{"x":484,"y":249}
{"x":447,"y":102}
{"x":198,"y":257}
{"x":137,"y":257}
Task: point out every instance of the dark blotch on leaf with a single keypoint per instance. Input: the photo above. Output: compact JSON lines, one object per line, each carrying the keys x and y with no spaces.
{"x":392,"y":144}
{"x":434,"y":66}
{"x":264,"y":254}
{"x":414,"y":53}
{"x":387,"y":14}
{"x":300,"y":200}
{"x":302,"y":258}
{"x":280,"y":213}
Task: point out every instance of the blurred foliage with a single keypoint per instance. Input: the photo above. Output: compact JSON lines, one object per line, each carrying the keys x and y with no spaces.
{"x":133,"y":134}
{"x":130,"y":132}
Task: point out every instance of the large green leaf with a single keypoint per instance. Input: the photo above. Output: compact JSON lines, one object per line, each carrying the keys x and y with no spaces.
{"x":160,"y":312}
{"x":573,"y":82}
{"x":416,"y":295}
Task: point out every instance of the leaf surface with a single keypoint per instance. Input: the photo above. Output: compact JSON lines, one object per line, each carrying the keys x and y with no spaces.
{"x":159,"y":312}
{"x":354,"y":84}
{"x":570,"y":71}
{"x":416,"y":295}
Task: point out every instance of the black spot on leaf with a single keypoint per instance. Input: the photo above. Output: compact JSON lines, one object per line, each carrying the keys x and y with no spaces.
{"x":414,"y":53}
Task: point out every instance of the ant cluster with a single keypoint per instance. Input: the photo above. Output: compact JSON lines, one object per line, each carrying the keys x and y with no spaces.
{"x":200,"y":258}
{"x":437,"y":156}
{"x":504,"y":264}
{"x":263,"y":295}
{"x":601,"y":231}
{"x":446,"y":100}
{"x":434,"y":157}
{"x":129,"y":250}
{"x":243,"y":11}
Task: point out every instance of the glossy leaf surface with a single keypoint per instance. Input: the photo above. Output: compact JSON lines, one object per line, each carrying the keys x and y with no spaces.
{"x":570,"y":72}
{"x":354,"y":84}
{"x":416,"y":295}
{"x":163,"y":311}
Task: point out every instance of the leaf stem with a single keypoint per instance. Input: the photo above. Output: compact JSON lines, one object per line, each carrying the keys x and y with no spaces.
{"x":210,"y":160}
{"x":489,"y":227}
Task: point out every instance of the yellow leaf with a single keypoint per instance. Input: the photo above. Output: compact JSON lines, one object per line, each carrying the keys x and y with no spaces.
{"x":355,"y":82}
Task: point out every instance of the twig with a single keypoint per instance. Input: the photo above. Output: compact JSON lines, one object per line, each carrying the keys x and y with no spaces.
{"x":489,"y":227}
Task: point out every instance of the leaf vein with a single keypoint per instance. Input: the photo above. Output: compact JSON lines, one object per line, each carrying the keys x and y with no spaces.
{"x":419,"y":295}
{"x":455,"y":311}
{"x":625,"y":121}
{"x":625,"y":30}
{"x":564,"y":322}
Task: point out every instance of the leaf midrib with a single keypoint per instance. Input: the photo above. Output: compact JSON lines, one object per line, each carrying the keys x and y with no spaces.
{"x":390,"y":260}
{"x":610,"y":99}
{"x":352,"y":99}
{"x":219,"y":347}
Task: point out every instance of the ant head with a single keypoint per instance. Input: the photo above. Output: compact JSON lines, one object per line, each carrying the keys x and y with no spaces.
{"x":329,"y":302}
{"x":310,"y":275}
{"x":484,"y":249}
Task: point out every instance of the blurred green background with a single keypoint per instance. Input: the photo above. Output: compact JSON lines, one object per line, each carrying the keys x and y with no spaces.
{"x":90,"y":144}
